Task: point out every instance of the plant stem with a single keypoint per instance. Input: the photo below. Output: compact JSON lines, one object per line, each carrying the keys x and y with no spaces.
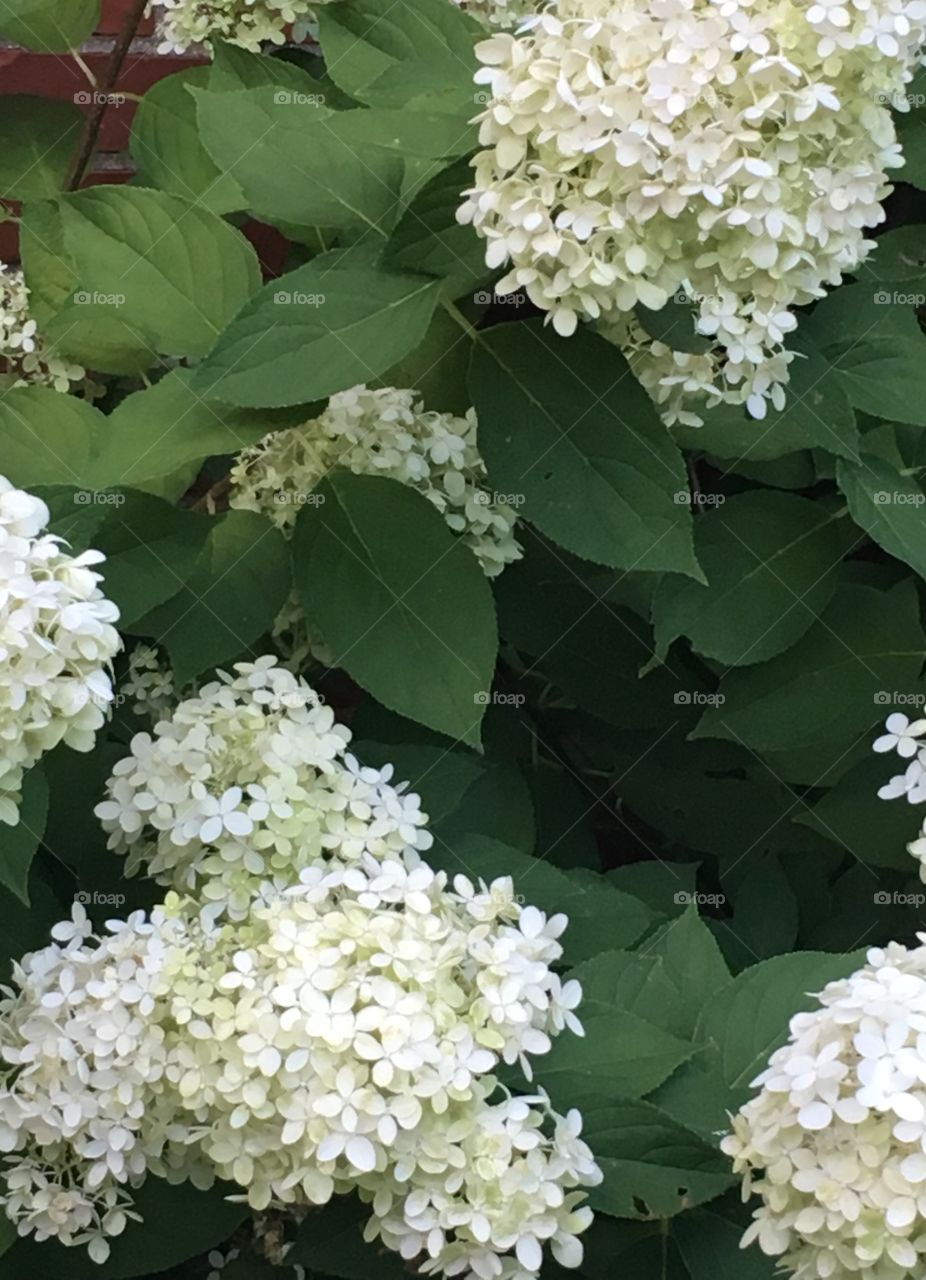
{"x":102,"y":95}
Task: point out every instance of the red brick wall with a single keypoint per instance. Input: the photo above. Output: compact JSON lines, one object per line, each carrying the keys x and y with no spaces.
{"x":51,"y":75}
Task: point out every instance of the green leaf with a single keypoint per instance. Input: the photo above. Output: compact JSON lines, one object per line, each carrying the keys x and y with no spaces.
{"x":179,"y":1222}
{"x":669,"y":980}
{"x":46,"y":437}
{"x":238,"y":586}
{"x":154,"y":433}
{"x":653,"y":1166}
{"x":284,"y":150}
{"x":592,"y":648}
{"x":565,"y":426}
{"x":620,"y":1055}
{"x":412,"y":618}
{"x":48,"y":26}
{"x":825,"y":688}
{"x":710,"y":1247}
{"x":429,"y":239}
{"x":388,"y":53}
{"x":19,"y":844}
{"x":889,"y":506}
{"x":168,"y":151}
{"x":80,"y":332}
{"x":163,"y":268}
{"x":847,"y":319}
{"x":37,"y":137}
{"x":749,"y":1018}
{"x":151,"y":550}
{"x":765,"y":919}
{"x":236,"y":68}
{"x":320,"y":329}
{"x":330,"y":1242}
{"x":770,"y":560}
{"x":853,"y":816}
{"x":600,"y":915}
{"x":886,"y":377}
{"x":898,"y":256}
{"x":50,"y":439}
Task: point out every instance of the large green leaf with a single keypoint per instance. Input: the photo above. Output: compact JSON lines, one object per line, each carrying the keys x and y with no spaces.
{"x":653,"y":1166}
{"x":770,"y":560}
{"x":320,"y":329}
{"x":48,"y":26}
{"x":428,"y":237}
{"x":37,"y":139}
{"x":151,"y":550}
{"x":50,"y":439}
{"x":889,"y":505}
{"x":87,"y":334}
{"x":285,"y":151}
{"x":238,"y":585}
{"x":589,"y":645}
{"x":829,"y":686}
{"x":668,"y":981}
{"x":331,"y":1243}
{"x":853,"y":816}
{"x":565,"y":426}
{"x":160,"y":431}
{"x":169,"y":272}
{"x":620,"y":1055}
{"x":168,"y":150}
{"x":46,"y":437}
{"x":392,"y":52}
{"x":886,"y":377}
{"x":710,"y":1247}
{"x":411,"y":615}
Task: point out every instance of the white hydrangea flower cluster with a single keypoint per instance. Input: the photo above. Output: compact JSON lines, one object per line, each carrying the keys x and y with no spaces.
{"x":905,"y":737}
{"x":23,"y":351}
{"x":57,"y":642}
{"x":343,"y":1035}
{"x":835,"y":1141}
{"x":248,"y":23}
{"x":385,"y":432}
{"x":245,"y":784}
{"x":730,"y":149}
{"x":85,"y":1105}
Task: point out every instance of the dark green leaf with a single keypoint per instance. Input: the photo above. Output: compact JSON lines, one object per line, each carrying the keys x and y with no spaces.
{"x":889,"y":506}
{"x":565,"y":426}
{"x":238,"y":585}
{"x":770,"y":560}
{"x":653,"y":1166}
{"x":317,"y":330}
{"x":825,"y":688}
{"x":412,"y":618}
{"x":37,"y":138}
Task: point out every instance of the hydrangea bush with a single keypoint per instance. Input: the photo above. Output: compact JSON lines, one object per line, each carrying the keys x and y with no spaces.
{"x":461,"y":581}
